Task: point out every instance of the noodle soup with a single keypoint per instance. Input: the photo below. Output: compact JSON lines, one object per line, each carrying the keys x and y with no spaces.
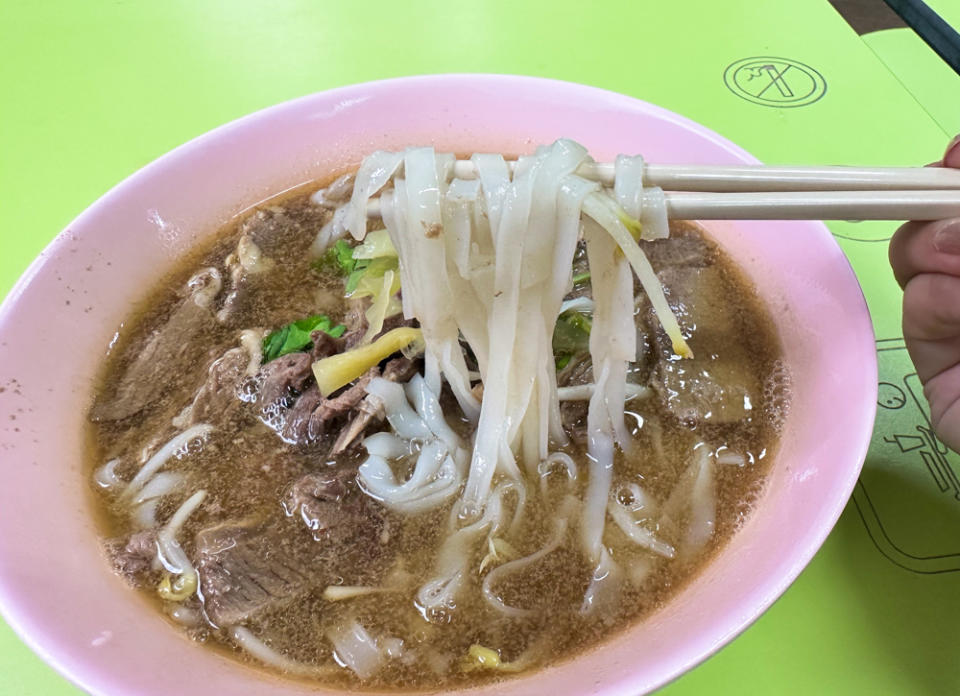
{"x":478,"y":440}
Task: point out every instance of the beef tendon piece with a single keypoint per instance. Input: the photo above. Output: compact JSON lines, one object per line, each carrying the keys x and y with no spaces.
{"x":247,"y":567}
{"x":132,"y":557}
{"x":145,"y":380}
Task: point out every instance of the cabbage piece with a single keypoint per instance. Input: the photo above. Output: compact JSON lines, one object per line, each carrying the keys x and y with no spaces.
{"x":380,"y":307}
{"x":376,"y":244}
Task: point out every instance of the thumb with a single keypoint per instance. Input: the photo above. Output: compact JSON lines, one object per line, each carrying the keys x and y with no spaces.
{"x":951,"y":157}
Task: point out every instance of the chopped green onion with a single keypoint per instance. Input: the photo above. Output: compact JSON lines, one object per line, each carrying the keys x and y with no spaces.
{"x":581,"y":278}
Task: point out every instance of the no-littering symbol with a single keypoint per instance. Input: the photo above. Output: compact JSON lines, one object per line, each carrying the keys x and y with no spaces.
{"x":770,"y":81}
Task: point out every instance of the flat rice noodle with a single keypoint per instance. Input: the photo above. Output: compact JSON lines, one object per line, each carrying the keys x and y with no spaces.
{"x":612,"y":344}
{"x":432,"y":301}
{"x":613,"y":336}
{"x":469,"y":310}
{"x":106,"y":475}
{"x":703,"y":504}
{"x":600,"y":448}
{"x":257,"y":648}
{"x":653,"y":218}
{"x":603,"y":210}
{"x":386,"y":445}
{"x":336,"y":228}
{"x":393,"y":213}
{"x":582,"y":304}
{"x":557,"y":537}
{"x":508,"y":230}
{"x":375,"y":171}
{"x":427,"y":404}
{"x":441,"y":462}
{"x":637,"y":533}
{"x":450,"y":570}
{"x":603,"y":593}
{"x":453,"y":560}
{"x":160,"y":485}
{"x":646,"y":204}
{"x":355,"y":648}
{"x":170,"y":450}
{"x":171,"y":554}
{"x":628,"y":183}
{"x":494,"y":176}
{"x":402,"y":418}
{"x":458,"y":222}
{"x":145,"y":515}
{"x":533,"y":384}
{"x":435,"y":479}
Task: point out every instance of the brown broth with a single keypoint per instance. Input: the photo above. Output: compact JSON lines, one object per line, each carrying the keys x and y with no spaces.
{"x":245,"y":468}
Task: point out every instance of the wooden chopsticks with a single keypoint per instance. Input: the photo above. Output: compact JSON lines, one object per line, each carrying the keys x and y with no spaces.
{"x":757,"y":192}
{"x":757,"y":177}
{"x":814,"y":205}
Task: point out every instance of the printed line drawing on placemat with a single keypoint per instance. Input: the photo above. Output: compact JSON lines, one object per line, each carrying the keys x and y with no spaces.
{"x":851,"y":238}
{"x":908,"y":495}
{"x":775,"y":81}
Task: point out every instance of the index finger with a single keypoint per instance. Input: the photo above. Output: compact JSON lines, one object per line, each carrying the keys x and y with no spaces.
{"x":928,"y":247}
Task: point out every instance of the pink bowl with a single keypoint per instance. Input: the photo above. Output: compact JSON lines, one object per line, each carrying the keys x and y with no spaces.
{"x":56,"y":589}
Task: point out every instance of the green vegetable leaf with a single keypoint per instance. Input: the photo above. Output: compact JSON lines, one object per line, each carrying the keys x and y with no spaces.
{"x":375,"y":257}
{"x":296,"y":336}
{"x":571,"y":336}
{"x":344,"y":256}
{"x":338,"y":259}
{"x":353,"y":279}
{"x":581,"y":278}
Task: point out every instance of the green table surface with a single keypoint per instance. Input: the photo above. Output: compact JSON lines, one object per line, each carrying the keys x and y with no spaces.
{"x":921,"y":71}
{"x":91,"y":91}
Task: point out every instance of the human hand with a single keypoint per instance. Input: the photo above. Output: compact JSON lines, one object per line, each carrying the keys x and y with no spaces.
{"x":925,"y":257}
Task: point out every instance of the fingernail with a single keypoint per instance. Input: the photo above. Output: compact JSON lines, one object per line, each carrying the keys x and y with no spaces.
{"x":946,"y":239}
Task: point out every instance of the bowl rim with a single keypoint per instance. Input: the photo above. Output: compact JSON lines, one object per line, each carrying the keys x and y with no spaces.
{"x":762,"y":596}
